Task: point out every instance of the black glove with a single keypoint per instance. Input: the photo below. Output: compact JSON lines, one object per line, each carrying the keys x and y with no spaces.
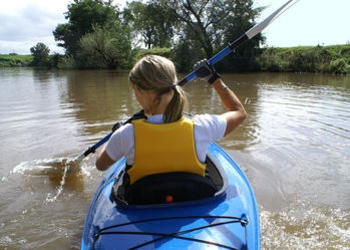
{"x":205,"y":71}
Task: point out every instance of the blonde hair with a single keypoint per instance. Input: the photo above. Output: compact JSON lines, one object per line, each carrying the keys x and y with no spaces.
{"x":158,"y":74}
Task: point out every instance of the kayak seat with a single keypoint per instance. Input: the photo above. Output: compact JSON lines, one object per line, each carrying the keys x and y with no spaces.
{"x":165,"y":188}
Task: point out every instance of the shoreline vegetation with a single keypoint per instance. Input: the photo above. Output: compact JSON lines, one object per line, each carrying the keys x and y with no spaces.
{"x":334,"y":59}
{"x":100,"y":35}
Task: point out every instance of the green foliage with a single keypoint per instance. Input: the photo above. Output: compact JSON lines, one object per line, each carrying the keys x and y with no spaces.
{"x":186,"y":55}
{"x":14,"y":60}
{"x":106,"y":47}
{"x":82,"y":16}
{"x":328,"y":59}
{"x":211,"y":24}
{"x":241,"y":18}
{"x":339,"y":66}
{"x":40,"y":53}
{"x":66,"y":62}
{"x":97,"y":34}
{"x":56,"y":61}
{"x":154,"y":23}
{"x":139,"y":53}
{"x":166,"y":52}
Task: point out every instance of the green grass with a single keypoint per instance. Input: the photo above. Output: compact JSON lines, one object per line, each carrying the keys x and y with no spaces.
{"x":333,"y":59}
{"x":14,"y":60}
{"x":323,"y":59}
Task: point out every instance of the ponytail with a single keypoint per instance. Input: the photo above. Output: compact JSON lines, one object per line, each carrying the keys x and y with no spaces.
{"x":174,"y":110}
{"x":158,"y":74}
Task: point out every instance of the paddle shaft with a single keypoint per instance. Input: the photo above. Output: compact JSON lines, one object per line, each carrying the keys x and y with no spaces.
{"x":191,"y":76}
{"x":116,"y":126}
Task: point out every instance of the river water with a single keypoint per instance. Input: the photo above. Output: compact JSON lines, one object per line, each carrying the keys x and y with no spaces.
{"x":294,"y":148}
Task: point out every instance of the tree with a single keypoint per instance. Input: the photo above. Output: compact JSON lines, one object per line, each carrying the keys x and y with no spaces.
{"x":107,"y":47}
{"x":196,"y":19}
{"x":210,"y":24}
{"x":82,"y":15}
{"x":40,"y":53}
{"x":182,"y":51}
{"x":241,"y":19}
{"x":154,"y":23}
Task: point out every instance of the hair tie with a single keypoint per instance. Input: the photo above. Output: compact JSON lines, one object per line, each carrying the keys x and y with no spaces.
{"x":173,"y":86}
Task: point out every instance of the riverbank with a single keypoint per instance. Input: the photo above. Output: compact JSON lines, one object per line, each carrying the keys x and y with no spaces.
{"x":321,"y":59}
{"x":333,"y":59}
{"x":15,"y":60}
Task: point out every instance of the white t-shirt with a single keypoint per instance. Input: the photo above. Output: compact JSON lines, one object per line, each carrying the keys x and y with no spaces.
{"x":207,"y":128}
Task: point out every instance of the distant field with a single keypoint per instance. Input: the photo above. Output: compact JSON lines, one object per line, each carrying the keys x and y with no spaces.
{"x":321,"y":59}
{"x":14,"y":60}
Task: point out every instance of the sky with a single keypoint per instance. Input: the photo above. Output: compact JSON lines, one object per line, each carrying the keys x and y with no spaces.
{"x":24,"y":23}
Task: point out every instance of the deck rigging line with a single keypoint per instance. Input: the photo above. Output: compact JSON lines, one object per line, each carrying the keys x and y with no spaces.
{"x":177,"y":235}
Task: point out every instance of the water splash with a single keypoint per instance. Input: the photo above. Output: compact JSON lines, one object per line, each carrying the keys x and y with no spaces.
{"x":46,"y":166}
{"x":301,"y":226}
{"x":60,"y":188}
{"x":57,"y":170}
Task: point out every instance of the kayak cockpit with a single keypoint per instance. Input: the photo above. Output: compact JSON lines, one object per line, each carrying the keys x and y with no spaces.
{"x":170,"y":187}
{"x":224,"y":217}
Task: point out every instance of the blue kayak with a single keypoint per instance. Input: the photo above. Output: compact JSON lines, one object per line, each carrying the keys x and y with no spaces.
{"x":178,"y":211}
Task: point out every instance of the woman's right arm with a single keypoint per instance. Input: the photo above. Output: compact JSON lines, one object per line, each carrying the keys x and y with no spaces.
{"x":236,"y":113}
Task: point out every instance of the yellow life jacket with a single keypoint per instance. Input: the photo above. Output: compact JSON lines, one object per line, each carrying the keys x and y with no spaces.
{"x":164,"y":148}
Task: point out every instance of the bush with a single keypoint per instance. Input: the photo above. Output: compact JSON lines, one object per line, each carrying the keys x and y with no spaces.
{"x":339,"y":66}
{"x":328,"y":59}
{"x":139,"y":53}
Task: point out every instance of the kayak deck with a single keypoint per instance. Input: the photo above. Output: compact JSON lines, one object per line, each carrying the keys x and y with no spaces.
{"x":227,"y":220}
{"x":210,"y":222}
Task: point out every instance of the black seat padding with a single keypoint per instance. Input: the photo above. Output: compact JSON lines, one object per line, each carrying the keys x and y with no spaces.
{"x":179,"y":186}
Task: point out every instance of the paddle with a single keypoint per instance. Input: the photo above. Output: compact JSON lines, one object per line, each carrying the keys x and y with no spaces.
{"x":216,"y":58}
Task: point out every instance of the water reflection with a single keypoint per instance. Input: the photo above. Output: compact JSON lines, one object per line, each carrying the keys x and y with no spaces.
{"x":103,"y":97}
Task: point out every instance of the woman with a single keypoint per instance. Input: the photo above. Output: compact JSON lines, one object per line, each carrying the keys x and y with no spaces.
{"x":167,"y":141}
